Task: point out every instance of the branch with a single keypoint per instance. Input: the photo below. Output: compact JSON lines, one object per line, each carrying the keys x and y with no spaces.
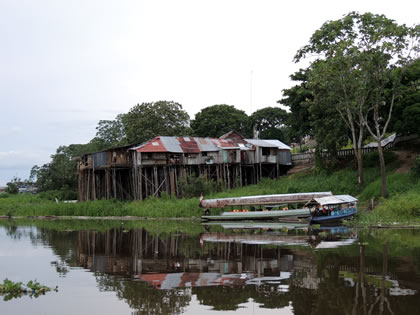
{"x":389,"y":115}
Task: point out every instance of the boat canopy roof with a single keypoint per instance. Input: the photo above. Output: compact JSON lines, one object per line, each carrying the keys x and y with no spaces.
{"x":336,"y":199}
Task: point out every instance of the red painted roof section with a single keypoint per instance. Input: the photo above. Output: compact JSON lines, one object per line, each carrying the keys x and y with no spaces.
{"x":185,"y":144}
{"x":154,"y":145}
{"x":188,"y":146}
{"x":226,"y":144}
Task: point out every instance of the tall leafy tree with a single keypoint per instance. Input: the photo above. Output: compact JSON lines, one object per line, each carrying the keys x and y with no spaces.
{"x":111,"y":133}
{"x":216,"y":120}
{"x":297,"y":98}
{"x":270,"y":123}
{"x":354,"y":56}
{"x":406,"y":116}
{"x":147,"y":120}
{"x":61,"y":172}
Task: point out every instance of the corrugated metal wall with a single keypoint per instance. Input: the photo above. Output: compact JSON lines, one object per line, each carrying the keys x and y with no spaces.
{"x":100,"y":159}
{"x":285,"y":158}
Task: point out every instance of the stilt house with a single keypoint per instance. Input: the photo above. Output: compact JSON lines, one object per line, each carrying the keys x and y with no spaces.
{"x":156,"y":166}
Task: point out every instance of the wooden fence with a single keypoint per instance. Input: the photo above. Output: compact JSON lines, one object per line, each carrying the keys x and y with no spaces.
{"x":350,"y":152}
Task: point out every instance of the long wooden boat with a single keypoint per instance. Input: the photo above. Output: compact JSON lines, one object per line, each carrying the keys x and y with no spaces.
{"x":258,"y":215}
{"x":263,"y":200}
{"x":244,"y":208}
{"x":332,"y":208}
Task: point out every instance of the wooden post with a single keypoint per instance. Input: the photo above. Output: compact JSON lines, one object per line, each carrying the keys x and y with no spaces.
{"x":146,"y":182}
{"x":228,"y":176}
{"x":240,"y":175}
{"x":172,"y":177}
{"x":156,"y":182}
{"x":141,"y":182}
{"x":94,"y":184}
{"x":88,"y":186}
{"x":168,"y":189}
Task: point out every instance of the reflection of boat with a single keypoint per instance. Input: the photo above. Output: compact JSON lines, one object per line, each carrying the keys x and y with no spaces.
{"x":262,"y":239}
{"x":259,"y":225}
{"x":332,"y":208}
{"x":335,"y":243}
{"x":271,"y":206}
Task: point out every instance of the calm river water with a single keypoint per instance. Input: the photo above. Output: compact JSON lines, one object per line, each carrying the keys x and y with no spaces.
{"x":161,"y":267}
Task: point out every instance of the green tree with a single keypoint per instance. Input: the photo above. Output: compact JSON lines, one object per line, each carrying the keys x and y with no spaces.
{"x":406,"y":114}
{"x":297,"y":99}
{"x":317,"y":119}
{"x":270,"y":123}
{"x":61,"y":173}
{"x":216,"y":120}
{"x":111,"y":132}
{"x":12,"y":186}
{"x":147,"y":120}
{"x":354,"y":58}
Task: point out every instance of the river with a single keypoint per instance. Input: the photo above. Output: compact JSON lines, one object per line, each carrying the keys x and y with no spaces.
{"x":166,"y":267}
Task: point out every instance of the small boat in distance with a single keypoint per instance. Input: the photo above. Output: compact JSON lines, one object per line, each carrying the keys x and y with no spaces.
{"x":332,"y":208}
{"x":263,"y":207}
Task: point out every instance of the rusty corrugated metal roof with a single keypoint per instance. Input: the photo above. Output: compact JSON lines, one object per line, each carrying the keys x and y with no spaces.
{"x":154,"y":145}
{"x":188,"y":145}
{"x":172,"y":144}
{"x":206,"y":144}
{"x":198,"y":144}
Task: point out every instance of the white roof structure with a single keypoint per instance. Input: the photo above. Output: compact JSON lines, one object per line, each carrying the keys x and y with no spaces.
{"x":268,"y":143}
{"x":334,"y":200}
{"x":384,"y":142}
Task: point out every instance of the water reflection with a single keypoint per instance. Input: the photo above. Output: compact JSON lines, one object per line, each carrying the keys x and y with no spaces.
{"x":319,"y":271}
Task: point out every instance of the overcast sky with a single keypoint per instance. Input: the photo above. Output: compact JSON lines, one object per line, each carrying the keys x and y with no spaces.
{"x":65,"y":65}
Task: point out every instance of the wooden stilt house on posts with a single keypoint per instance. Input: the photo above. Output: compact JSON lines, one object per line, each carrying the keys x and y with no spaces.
{"x":156,"y":166}
{"x":105,"y":175}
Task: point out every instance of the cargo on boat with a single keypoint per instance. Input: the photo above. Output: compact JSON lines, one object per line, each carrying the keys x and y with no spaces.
{"x":263,"y":200}
{"x":332,"y":208}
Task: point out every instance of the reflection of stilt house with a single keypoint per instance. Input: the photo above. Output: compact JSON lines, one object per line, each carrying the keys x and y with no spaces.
{"x":156,"y":166}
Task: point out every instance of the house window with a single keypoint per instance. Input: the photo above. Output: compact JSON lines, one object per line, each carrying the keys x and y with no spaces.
{"x":265,"y":151}
{"x":203,"y":153}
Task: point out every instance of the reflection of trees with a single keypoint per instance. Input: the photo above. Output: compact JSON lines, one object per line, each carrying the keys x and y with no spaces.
{"x":144,"y":298}
{"x":229,"y":298}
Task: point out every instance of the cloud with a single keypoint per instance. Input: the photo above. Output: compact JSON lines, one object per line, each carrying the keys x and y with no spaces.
{"x":21,"y":158}
{"x":10,"y":131}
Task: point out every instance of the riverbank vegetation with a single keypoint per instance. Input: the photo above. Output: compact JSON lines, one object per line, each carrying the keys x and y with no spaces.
{"x":401,"y":206}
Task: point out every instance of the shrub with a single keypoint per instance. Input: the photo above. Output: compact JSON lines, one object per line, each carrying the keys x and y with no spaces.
{"x":4,"y":195}
{"x":12,"y":188}
{"x":415,"y":170}
{"x":58,"y":194}
{"x":372,"y":159}
{"x":194,"y":186}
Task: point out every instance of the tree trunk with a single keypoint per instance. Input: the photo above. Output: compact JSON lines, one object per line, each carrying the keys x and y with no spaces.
{"x":384,"y":189}
{"x":359,"y":157}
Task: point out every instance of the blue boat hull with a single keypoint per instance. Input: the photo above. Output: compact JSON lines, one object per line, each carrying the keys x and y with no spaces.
{"x":335,"y":216}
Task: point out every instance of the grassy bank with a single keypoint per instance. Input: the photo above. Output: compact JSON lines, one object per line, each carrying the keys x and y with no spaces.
{"x":402,"y":205}
{"x":344,"y":181}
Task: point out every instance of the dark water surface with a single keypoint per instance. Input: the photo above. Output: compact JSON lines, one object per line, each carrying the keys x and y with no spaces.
{"x":173,"y":267}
